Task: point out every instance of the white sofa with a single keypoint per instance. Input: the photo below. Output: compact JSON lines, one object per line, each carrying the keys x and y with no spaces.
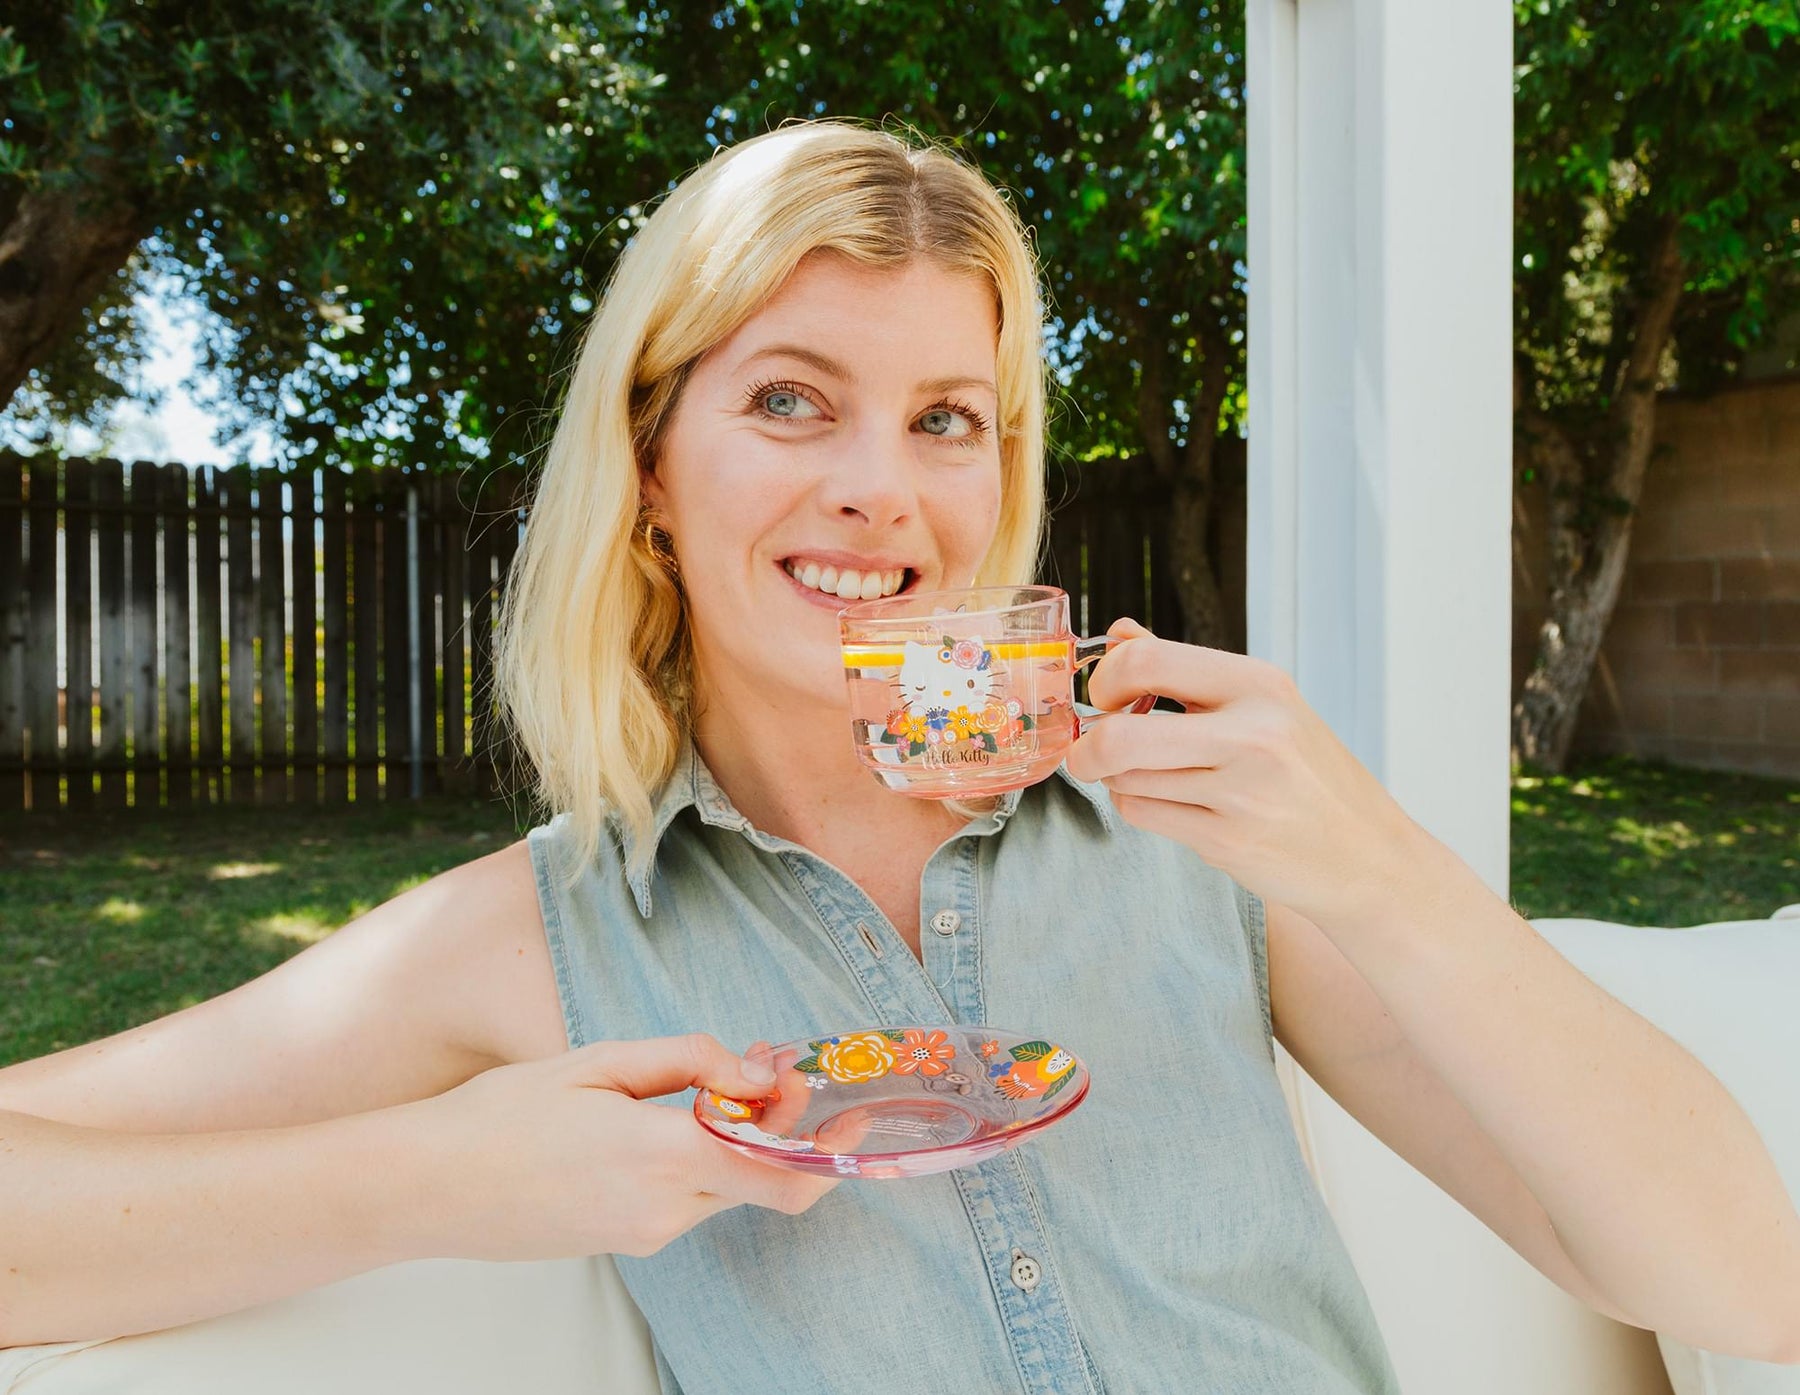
{"x":1461,"y":1312}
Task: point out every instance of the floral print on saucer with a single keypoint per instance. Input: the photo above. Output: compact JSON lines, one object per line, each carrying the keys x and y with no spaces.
{"x":888,"y":1102}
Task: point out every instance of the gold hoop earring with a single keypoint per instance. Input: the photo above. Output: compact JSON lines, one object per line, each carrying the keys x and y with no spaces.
{"x":659,"y":546}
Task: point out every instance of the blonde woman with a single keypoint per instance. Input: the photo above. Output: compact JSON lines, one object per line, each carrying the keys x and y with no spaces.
{"x":817,"y":374}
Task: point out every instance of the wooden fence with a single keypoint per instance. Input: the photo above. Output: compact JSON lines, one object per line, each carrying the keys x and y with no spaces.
{"x":172,"y":635}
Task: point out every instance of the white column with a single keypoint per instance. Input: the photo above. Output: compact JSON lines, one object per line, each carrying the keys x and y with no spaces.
{"x":1380,"y":170}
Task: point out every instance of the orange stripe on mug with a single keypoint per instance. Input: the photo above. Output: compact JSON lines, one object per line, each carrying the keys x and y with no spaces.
{"x":886,"y":656}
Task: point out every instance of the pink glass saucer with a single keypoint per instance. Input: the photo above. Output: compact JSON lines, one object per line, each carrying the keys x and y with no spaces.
{"x":899,"y":1101}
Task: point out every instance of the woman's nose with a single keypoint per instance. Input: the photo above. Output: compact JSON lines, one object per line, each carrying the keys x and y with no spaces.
{"x":874,"y":481}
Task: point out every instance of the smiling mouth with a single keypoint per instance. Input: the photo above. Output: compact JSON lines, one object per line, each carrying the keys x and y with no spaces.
{"x":846,"y":583}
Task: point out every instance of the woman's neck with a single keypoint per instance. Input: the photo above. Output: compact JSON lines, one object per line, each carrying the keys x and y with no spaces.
{"x":794,"y":774}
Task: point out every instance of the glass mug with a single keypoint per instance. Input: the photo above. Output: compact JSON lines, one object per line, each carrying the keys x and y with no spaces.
{"x":958,"y":694}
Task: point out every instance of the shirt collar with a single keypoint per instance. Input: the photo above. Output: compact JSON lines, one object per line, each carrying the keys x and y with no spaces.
{"x":691,"y":785}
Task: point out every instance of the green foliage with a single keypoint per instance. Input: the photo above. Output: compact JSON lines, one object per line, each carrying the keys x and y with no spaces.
{"x":1629,"y":114}
{"x":374,"y":195}
{"x":401,"y":212}
{"x":1117,"y":129}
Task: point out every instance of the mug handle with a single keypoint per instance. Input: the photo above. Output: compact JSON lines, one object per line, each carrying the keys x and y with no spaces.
{"x":1088,"y":651}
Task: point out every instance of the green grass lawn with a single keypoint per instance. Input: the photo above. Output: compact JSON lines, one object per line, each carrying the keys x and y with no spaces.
{"x":108,"y":921}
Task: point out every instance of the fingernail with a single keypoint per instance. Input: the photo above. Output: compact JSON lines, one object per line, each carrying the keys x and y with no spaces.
{"x":758,"y":1074}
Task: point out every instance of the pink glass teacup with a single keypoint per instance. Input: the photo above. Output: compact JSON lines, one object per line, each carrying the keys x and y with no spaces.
{"x":960,"y":694}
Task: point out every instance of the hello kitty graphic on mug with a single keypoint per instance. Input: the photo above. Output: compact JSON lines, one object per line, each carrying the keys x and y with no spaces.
{"x":956,"y":694}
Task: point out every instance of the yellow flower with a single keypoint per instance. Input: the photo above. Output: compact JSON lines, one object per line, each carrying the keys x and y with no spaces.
{"x":867,"y":1056}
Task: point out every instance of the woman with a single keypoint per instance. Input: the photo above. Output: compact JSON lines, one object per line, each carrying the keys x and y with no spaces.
{"x":817,"y":374}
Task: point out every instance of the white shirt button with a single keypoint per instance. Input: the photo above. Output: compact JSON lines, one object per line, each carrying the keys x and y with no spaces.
{"x":946,"y":922}
{"x":1025,"y":1271}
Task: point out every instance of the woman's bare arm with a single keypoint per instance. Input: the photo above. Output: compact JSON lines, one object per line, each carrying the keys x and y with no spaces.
{"x":104,"y":1234}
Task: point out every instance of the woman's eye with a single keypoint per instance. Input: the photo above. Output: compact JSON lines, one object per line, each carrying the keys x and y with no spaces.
{"x":781,"y":401}
{"x":941,"y":421}
{"x":787,"y":404}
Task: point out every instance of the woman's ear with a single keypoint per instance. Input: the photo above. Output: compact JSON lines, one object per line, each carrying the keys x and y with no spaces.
{"x":650,"y":489}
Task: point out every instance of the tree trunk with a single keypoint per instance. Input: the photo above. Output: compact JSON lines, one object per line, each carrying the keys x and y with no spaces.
{"x":1190,"y":549}
{"x":1589,"y":546}
{"x":55,"y":253}
{"x":1187,"y":473}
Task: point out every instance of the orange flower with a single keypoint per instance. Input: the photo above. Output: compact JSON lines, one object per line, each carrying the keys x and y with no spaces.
{"x":928,"y":1055}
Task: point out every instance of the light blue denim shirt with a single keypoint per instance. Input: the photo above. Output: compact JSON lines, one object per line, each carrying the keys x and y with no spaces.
{"x":1165,"y":1237}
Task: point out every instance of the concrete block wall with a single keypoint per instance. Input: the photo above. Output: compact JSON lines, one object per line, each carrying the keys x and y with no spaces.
{"x":1701,"y":665}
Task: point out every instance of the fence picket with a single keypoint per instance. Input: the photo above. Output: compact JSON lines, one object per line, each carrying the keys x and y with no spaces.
{"x":240,"y":664}
{"x":12,"y":634}
{"x":430,"y":669}
{"x":115,"y":632}
{"x":365,"y":601}
{"x":78,"y":629}
{"x":178,"y":691}
{"x":302,"y":587}
{"x":209,"y":640}
{"x":40,"y":637}
{"x":396,"y":716}
{"x":455,"y":630}
{"x":336,"y":591}
{"x":145,"y":724}
{"x":271,"y":630}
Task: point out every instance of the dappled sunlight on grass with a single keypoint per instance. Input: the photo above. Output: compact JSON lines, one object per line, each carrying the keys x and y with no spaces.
{"x":301,"y":928}
{"x":238,"y":871}
{"x":112,"y":918}
{"x":1652,"y":844}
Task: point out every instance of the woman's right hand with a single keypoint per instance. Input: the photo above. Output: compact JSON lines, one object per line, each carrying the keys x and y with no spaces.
{"x":567,"y":1155}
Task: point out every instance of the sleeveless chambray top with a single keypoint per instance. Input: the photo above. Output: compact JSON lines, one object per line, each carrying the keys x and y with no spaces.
{"x":1165,"y":1237}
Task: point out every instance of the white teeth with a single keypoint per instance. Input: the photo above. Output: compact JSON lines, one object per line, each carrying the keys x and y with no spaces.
{"x":847,"y":584}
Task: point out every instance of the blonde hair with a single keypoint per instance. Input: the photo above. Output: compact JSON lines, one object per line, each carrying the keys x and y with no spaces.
{"x":593,"y":661}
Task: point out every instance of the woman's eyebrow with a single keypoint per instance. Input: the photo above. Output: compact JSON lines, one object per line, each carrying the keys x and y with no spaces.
{"x":831,"y":366}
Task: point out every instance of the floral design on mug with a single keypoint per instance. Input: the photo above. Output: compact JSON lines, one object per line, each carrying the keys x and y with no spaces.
{"x":849,"y":1060}
{"x":1037,"y":1070}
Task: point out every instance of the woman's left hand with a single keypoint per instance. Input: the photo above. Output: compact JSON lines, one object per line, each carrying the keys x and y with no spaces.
{"x":1249,"y":777}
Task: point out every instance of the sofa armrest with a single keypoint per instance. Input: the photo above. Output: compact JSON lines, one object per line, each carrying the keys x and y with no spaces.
{"x":1726,"y":992}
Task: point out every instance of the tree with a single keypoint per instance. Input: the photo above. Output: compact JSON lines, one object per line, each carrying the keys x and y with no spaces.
{"x":372,"y":195}
{"x":1118,"y":130}
{"x":1658,"y":234}
{"x":400,"y":220}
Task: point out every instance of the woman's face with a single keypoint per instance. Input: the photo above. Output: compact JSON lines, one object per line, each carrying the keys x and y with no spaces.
{"x":841,"y":445}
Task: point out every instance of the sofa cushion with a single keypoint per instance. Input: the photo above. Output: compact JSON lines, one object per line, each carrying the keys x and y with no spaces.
{"x":452,"y":1327}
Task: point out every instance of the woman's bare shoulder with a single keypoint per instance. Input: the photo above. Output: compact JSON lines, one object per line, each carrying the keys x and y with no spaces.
{"x":500,"y":986}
